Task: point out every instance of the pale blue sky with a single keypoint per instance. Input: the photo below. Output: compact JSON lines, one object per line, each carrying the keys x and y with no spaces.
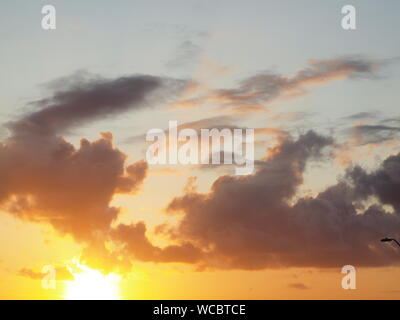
{"x":116,"y":38}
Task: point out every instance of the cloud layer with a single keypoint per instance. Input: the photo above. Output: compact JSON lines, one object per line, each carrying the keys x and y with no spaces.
{"x":45,"y":178}
{"x":255,"y":222}
{"x":250,"y":222}
{"x":48,"y":180}
{"x":253,"y":93}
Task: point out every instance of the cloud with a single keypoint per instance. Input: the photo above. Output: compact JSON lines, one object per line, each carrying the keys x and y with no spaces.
{"x":361,"y":116}
{"x":254,"y":222}
{"x":136,"y":245}
{"x":298,"y":285}
{"x":250,"y":222}
{"x":264,"y":87}
{"x":82,"y":98}
{"x":48,"y":180}
{"x":61,"y":273}
{"x":383,"y":183}
{"x":219,"y":122}
{"x":254,"y":92}
{"x":373,"y":134}
{"x":186,"y":53}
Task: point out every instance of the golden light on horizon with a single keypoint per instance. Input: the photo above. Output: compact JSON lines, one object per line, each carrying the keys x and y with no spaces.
{"x":92,"y":284}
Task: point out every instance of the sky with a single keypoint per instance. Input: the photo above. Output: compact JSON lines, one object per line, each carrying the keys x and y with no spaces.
{"x":78,"y":195}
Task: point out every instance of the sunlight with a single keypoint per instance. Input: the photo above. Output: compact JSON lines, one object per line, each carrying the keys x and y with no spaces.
{"x":89,"y":284}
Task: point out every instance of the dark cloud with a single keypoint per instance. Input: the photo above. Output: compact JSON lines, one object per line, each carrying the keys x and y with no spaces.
{"x":373,"y":134}
{"x":80,"y":99}
{"x":383,"y":183}
{"x":254,"y":222}
{"x":361,"y":116}
{"x":393,"y":120}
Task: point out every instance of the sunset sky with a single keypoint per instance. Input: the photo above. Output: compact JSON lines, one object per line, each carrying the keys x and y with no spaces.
{"x":77,"y":194}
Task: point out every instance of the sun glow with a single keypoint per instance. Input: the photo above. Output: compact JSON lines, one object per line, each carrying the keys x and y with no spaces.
{"x":89,"y":284}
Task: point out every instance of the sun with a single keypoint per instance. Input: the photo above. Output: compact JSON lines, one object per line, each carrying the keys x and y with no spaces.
{"x":90,"y":284}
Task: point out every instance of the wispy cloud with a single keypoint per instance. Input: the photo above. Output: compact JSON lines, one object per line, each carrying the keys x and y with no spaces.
{"x":259,"y":90}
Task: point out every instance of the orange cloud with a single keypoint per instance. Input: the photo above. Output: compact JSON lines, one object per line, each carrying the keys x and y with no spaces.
{"x":254,"y":93}
{"x":61,"y":273}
